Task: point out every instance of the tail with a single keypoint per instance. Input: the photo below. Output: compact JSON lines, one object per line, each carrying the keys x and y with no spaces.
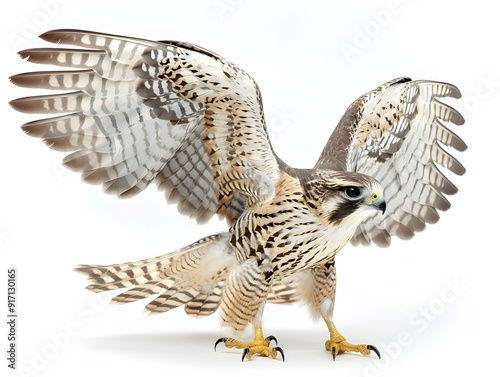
{"x":193,"y":276}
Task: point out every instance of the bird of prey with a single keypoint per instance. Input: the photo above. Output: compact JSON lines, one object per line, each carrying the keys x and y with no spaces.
{"x":132,"y":111}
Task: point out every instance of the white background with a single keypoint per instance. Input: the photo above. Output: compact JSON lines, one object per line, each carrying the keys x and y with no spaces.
{"x":428,"y":304}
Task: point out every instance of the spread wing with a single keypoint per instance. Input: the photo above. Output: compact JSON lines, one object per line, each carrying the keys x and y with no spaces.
{"x":140,"y":111}
{"x":397,"y":134}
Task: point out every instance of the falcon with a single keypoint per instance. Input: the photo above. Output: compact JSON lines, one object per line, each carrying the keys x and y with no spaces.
{"x":132,"y":111}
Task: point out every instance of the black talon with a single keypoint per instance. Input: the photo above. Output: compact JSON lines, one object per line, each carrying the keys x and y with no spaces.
{"x":280,"y":350}
{"x":270,"y":338}
{"x":334,"y":352}
{"x":245,"y":352}
{"x":374,"y":349}
{"x":219,"y":341}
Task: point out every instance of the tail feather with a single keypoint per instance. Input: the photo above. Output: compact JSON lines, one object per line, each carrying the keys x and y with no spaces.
{"x":135,"y":272}
{"x":193,"y":276}
{"x":205,"y":303}
{"x":171,"y":299}
{"x":143,"y":271}
{"x":143,"y":291}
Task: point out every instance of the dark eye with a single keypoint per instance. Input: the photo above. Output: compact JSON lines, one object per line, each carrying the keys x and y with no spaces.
{"x":352,"y":191}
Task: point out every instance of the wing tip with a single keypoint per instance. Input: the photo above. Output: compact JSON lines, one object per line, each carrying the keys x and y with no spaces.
{"x":21,"y":104}
{"x":59,"y":35}
{"x":27,"y":79}
{"x":458,"y":118}
{"x":16,"y":80}
{"x":25,"y":54}
{"x":65,"y":36}
{"x":52,"y":36}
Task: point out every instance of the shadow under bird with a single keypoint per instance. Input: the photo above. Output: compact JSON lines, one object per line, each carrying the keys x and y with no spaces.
{"x":133,"y":111}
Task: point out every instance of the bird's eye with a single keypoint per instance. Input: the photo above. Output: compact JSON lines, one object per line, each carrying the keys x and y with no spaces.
{"x":352,"y":191}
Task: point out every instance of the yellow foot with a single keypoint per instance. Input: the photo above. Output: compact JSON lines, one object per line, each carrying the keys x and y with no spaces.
{"x":337,"y":344}
{"x":338,"y":347}
{"x":259,"y":346}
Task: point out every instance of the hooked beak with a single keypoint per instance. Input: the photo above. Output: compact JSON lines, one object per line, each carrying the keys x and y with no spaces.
{"x":380,"y":205}
{"x":377,"y":201}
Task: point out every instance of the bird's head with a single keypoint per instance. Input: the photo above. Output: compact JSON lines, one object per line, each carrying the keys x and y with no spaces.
{"x":342,"y":197}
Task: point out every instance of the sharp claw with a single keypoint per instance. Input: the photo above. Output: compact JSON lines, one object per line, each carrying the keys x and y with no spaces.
{"x":271,"y":338}
{"x":374,"y":349}
{"x":280,"y":350}
{"x":245,"y":352}
{"x":334,"y":352}
{"x":221,"y":340}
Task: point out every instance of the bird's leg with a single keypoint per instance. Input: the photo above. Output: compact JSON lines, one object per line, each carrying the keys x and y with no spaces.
{"x":337,"y":344}
{"x":259,"y":345}
{"x":322,"y":291}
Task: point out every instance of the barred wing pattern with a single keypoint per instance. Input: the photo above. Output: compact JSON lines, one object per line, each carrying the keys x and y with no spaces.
{"x":396,"y":134}
{"x":143,"y":111}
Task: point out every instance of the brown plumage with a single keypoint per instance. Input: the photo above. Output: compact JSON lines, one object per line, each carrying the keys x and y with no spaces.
{"x":177,"y":114}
